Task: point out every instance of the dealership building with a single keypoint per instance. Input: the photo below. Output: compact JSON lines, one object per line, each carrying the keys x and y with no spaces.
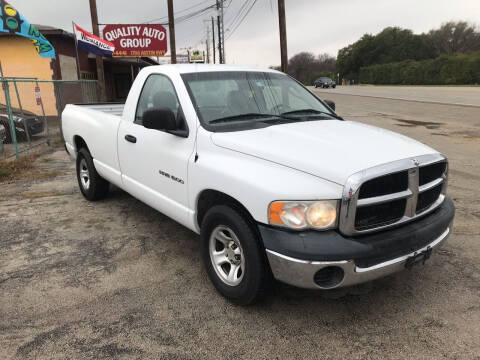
{"x":19,"y":59}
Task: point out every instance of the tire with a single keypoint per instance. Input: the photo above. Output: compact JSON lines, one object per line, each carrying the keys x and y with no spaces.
{"x":5,"y":134}
{"x":92,"y":185}
{"x":238,"y":242}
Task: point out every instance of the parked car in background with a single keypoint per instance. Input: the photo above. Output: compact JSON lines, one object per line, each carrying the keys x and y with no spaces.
{"x":324,"y":82}
{"x":24,"y":121}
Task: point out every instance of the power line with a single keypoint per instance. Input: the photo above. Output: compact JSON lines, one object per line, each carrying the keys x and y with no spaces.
{"x":238,"y":14}
{"x":182,"y":11}
{"x":244,"y":9}
{"x":194,"y":14}
{"x":243,"y":18}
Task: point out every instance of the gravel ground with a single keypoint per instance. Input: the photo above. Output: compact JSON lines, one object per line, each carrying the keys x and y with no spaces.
{"x":116,"y":279}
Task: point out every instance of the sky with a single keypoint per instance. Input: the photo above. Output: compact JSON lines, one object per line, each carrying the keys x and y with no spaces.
{"x":317,"y":26}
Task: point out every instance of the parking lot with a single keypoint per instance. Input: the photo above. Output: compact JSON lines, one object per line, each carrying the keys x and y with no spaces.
{"x":116,"y":279}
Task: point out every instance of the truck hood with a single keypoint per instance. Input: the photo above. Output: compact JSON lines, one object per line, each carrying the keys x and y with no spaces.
{"x":330,"y":149}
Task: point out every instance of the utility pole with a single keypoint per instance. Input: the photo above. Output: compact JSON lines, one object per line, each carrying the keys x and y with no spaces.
{"x":283,"y":35}
{"x":98,"y":59}
{"x":171,"y":28}
{"x":207,"y":40}
{"x":208,"y":49}
{"x":221,"y":32}
{"x":213,"y":39}
{"x":220,"y":58}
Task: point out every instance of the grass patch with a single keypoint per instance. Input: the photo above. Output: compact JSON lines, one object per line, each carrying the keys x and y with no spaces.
{"x":12,"y":169}
{"x":3,"y":173}
{"x":24,"y":168}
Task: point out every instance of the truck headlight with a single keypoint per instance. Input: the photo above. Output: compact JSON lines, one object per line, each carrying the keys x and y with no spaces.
{"x":299,"y":215}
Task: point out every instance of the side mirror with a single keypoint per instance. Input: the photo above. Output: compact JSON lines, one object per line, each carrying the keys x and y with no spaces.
{"x":330,"y":103}
{"x":159,"y":119}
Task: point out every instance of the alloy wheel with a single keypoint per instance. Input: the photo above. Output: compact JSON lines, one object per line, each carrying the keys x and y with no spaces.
{"x":84,"y":174}
{"x":226,"y":255}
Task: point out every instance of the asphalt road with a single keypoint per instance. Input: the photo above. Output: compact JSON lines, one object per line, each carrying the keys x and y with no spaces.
{"x":116,"y":279}
{"x":461,"y":95}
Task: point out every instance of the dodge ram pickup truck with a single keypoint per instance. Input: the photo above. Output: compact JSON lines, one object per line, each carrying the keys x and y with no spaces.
{"x":275,"y":182}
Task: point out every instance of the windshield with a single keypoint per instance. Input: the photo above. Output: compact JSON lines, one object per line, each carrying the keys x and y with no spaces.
{"x":251,"y":99}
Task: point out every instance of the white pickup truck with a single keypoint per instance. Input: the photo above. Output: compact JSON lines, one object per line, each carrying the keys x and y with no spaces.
{"x":275,"y":182}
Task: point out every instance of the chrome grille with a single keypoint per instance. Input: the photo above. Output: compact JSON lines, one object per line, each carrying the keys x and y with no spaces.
{"x":384,"y":185}
{"x":393,"y":193}
{"x":376,"y":215}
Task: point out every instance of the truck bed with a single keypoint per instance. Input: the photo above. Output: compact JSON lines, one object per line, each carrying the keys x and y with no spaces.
{"x":97,"y":125}
{"x":109,"y":108}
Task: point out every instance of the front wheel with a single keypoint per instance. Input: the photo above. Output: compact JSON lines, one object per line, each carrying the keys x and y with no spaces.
{"x":92,"y":185}
{"x":233,"y":256}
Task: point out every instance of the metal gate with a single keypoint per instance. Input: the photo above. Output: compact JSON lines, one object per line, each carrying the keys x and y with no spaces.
{"x":30,"y":110}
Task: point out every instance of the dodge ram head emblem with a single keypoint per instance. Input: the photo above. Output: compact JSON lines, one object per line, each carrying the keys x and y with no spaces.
{"x":350,"y":193}
{"x":416,"y":162}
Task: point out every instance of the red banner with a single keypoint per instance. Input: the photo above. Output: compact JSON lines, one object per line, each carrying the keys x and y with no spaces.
{"x":137,"y":40}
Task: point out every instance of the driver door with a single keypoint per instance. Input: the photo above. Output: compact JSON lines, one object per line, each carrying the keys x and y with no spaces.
{"x":154,"y":163}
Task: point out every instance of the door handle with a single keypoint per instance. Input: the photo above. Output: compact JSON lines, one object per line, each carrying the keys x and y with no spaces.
{"x":131,"y":138}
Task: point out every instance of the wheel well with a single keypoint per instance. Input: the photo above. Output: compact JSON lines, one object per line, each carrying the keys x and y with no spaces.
{"x":79,"y":143}
{"x":210,"y":198}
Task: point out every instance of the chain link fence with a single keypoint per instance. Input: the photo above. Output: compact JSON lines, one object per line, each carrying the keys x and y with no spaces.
{"x":30,"y":110}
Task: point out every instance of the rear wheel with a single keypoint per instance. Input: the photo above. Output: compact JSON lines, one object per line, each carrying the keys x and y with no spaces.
{"x":233,"y":256}
{"x":92,"y":185}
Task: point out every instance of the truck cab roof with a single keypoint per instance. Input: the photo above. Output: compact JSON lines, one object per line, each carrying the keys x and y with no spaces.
{"x":194,"y":68}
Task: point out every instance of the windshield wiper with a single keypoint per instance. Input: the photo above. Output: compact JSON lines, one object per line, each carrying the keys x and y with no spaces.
{"x":272,"y":118}
{"x":248,"y":116}
{"x":310,"y":111}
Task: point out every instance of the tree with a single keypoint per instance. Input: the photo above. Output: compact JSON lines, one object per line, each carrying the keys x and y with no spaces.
{"x":392,"y":44}
{"x":306,"y":67}
{"x":455,"y":37}
{"x":326,"y":62}
{"x":300,"y":65}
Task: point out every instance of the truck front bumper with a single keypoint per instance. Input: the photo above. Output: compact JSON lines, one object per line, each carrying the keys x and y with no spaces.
{"x":327,"y":260}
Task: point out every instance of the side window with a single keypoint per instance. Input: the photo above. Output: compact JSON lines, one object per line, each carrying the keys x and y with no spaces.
{"x":158,"y":92}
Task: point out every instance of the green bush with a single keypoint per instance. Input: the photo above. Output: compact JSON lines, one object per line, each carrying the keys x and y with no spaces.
{"x":459,"y":69}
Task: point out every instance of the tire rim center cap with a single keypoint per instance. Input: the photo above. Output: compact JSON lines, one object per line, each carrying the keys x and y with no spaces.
{"x":233,"y":253}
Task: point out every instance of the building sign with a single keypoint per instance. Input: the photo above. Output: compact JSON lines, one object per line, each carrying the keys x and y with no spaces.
{"x":166,"y":59}
{"x":137,"y":40}
{"x":12,"y":22}
{"x":182,"y":59}
{"x":196,"y":56}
